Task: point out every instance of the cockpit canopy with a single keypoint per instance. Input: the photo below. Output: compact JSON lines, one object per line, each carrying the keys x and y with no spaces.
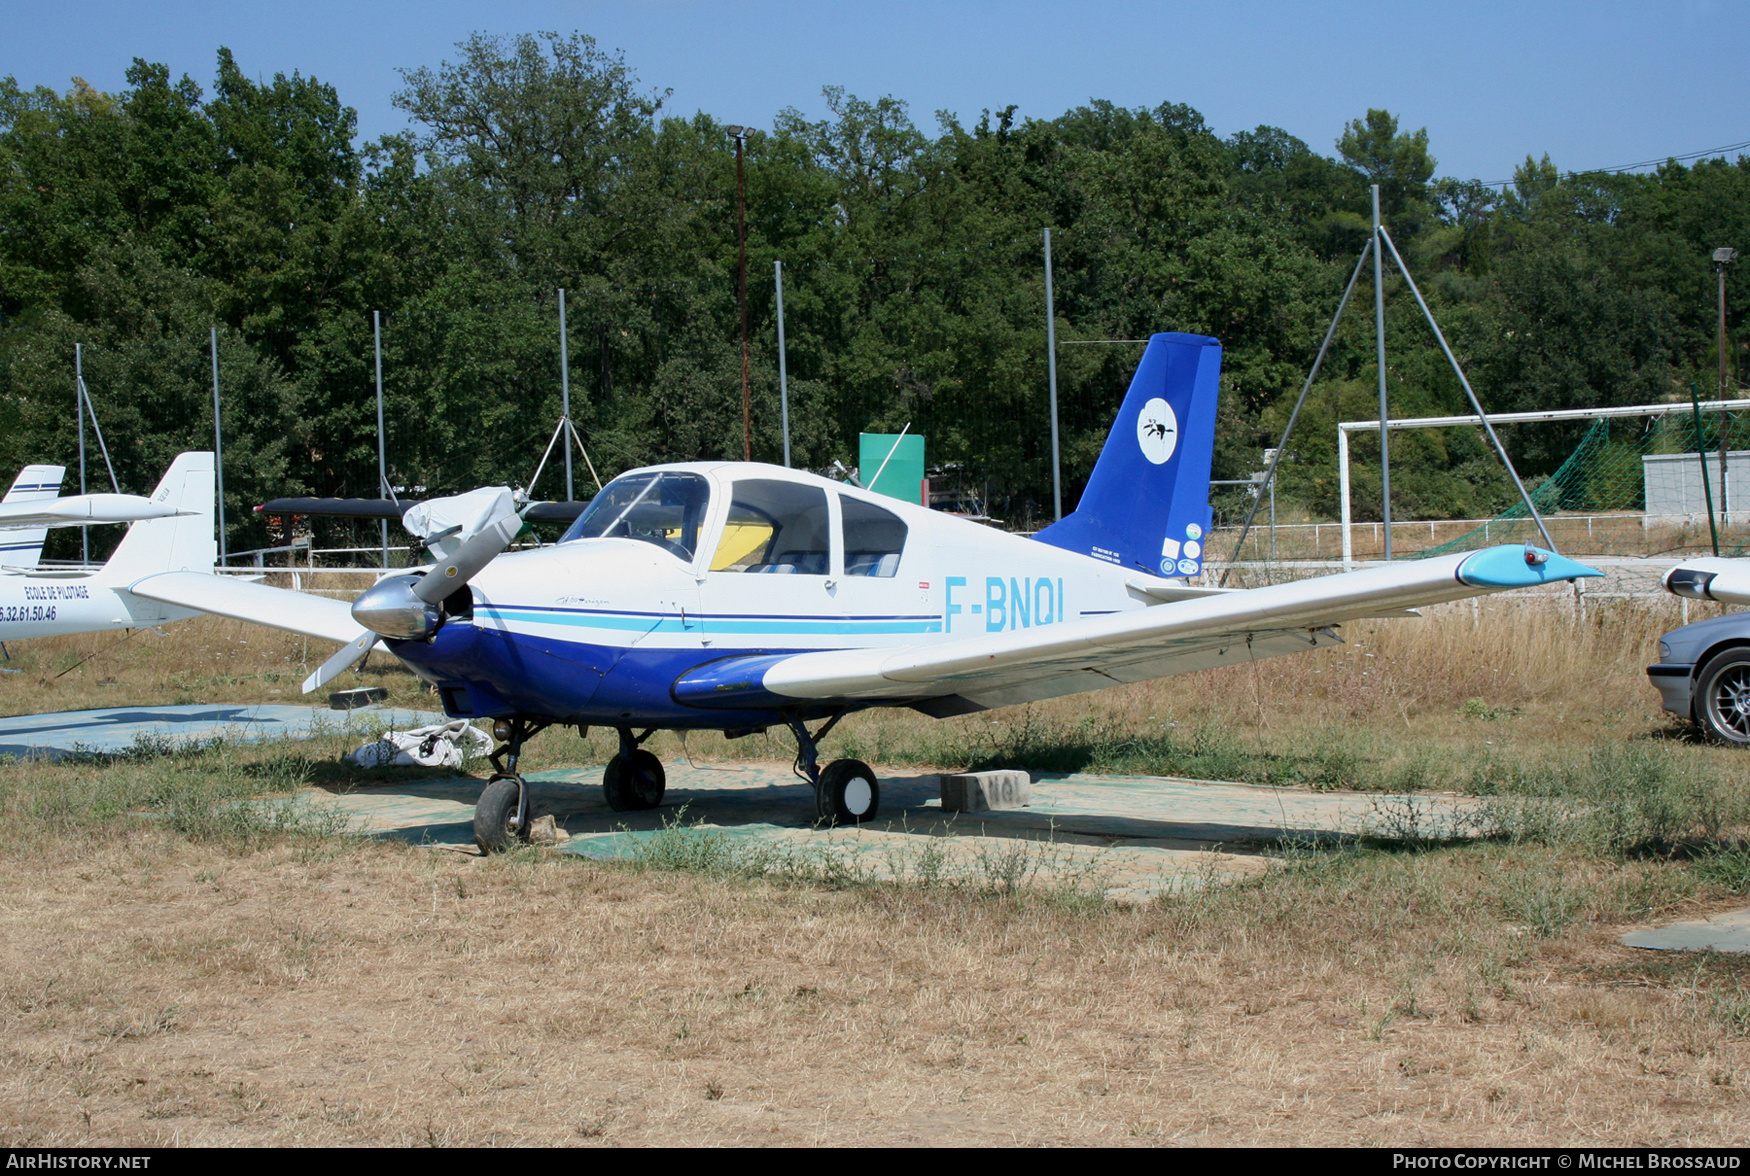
{"x":772,"y":525}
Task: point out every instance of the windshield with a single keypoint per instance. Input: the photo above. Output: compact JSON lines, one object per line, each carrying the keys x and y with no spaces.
{"x":660,"y":508}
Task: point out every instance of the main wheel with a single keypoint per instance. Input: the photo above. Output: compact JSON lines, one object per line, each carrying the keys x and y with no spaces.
{"x":848,"y":793}
{"x":635,"y":782}
{"x":1722,"y":697}
{"x":493,"y":813}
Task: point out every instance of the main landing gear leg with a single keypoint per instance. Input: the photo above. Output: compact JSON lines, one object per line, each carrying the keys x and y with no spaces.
{"x":845,"y":791}
{"x":501,"y":815}
{"x":634,"y":779}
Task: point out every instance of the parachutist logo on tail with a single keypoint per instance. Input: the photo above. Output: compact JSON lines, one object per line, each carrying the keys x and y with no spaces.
{"x":1157,"y":431}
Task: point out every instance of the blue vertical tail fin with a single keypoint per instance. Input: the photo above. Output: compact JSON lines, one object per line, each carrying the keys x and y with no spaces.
{"x":1147,"y":503}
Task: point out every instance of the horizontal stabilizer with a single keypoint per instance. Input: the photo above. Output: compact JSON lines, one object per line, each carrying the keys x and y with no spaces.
{"x":84,"y":510}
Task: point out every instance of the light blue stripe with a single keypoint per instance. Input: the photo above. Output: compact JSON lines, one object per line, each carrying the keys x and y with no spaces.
{"x":647,"y":624}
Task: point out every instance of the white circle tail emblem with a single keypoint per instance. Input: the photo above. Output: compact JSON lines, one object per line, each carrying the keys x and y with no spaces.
{"x":1157,"y":430}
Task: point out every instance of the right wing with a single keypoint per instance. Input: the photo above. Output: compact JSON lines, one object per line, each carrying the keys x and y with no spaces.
{"x":1001,"y":669}
{"x":277,"y":608}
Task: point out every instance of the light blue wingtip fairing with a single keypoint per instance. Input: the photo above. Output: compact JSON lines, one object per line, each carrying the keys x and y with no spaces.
{"x":1512,"y":565}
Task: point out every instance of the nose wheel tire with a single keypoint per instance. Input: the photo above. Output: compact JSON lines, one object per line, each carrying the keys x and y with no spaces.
{"x":1722,"y":697}
{"x":634,"y":782}
{"x":493,"y":814}
{"x":847,"y":793}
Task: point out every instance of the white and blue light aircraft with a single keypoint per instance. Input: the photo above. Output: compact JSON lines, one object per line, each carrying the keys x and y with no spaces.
{"x":740,"y":596}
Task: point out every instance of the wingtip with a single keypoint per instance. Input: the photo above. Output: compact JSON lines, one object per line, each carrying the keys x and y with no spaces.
{"x":1513,"y":565}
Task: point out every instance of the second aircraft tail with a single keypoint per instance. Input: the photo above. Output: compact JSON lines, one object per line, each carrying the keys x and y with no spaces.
{"x":183,"y":543}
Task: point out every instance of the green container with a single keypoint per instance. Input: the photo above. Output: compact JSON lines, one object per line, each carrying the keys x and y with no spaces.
{"x":902,"y":475}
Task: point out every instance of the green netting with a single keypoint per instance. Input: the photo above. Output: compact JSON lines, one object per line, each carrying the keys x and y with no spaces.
{"x":1605,"y":475}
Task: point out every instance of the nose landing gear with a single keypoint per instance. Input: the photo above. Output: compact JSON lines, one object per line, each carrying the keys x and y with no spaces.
{"x":501,"y":814}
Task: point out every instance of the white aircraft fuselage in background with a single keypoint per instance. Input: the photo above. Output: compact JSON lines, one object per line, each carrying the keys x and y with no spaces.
{"x":172,"y":531}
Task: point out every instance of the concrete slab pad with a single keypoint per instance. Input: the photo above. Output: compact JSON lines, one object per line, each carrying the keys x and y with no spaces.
{"x":113,"y":730}
{"x":1726,"y":932}
{"x":1132,"y":837}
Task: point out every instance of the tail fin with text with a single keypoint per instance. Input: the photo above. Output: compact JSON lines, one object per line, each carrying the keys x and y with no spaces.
{"x":1147,"y":503}
{"x":184,"y":543}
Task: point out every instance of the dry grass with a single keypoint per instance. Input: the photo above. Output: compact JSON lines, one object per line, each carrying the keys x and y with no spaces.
{"x":197,"y":976}
{"x":160,"y":991}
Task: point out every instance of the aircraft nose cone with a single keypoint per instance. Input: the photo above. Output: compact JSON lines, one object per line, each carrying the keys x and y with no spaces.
{"x":390,"y":609}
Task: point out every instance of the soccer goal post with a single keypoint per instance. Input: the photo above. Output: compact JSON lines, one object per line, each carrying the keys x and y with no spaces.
{"x":1662,"y":480}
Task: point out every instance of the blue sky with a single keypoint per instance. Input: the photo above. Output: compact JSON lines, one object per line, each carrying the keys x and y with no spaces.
{"x":1595,"y":85}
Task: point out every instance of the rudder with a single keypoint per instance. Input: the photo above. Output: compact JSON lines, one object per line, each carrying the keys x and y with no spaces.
{"x":184,"y":543}
{"x":1147,"y":503}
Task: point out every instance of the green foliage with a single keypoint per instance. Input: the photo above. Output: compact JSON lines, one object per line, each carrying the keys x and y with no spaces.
{"x":134,"y":222}
{"x":1620,"y":799}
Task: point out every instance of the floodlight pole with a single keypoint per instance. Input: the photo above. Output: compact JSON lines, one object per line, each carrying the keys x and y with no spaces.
{"x":565,"y":391}
{"x":1051,"y":367}
{"x":1379,"y":337}
{"x":218,"y":445}
{"x":783,"y":371}
{"x":382,"y":444}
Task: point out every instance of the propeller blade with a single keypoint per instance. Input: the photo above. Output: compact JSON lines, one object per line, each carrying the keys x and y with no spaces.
{"x":482,"y":545}
{"x":349,"y":655}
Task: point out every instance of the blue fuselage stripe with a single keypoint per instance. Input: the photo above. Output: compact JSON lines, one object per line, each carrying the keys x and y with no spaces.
{"x":711,"y":622}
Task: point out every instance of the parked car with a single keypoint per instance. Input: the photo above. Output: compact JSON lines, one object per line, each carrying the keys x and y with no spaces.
{"x":1704,"y":675}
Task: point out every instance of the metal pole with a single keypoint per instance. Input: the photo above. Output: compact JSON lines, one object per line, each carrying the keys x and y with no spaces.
{"x":1343,"y":498}
{"x":565,"y":392}
{"x":1725,"y":495}
{"x":1488,"y":428}
{"x":1379,"y":336}
{"x":741,"y":236}
{"x":218,"y":445}
{"x":1701,"y":452}
{"x":382,"y":443}
{"x":79,"y":394}
{"x":783,"y":371}
{"x":1318,"y":361}
{"x":1051,"y":366}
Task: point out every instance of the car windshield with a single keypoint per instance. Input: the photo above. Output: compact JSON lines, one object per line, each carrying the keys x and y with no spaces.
{"x":664,"y":509}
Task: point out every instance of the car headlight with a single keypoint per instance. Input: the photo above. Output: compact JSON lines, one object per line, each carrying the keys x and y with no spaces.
{"x":1664,"y":650}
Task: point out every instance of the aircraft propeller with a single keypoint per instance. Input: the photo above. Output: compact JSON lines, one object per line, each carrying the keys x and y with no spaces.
{"x":413,"y":606}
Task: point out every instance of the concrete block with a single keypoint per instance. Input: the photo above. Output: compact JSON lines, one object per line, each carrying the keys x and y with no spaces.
{"x":974,"y":792}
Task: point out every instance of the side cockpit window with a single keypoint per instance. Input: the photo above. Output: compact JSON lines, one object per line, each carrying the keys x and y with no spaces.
{"x":874,"y":538}
{"x":663,"y":509}
{"x":774,"y":528}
